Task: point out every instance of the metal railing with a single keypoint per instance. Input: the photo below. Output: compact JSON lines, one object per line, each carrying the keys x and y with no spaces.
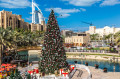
{"x":83,"y":50}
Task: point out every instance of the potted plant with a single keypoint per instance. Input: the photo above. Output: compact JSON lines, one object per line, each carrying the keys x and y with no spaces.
{"x":96,"y":66}
{"x":86,"y":63}
{"x":105,"y":69}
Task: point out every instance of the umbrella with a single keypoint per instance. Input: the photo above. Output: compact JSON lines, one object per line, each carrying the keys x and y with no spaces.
{"x":8,"y":64}
{"x":0,"y":70}
{"x":3,"y":65}
{"x":10,"y":67}
{"x":14,"y":66}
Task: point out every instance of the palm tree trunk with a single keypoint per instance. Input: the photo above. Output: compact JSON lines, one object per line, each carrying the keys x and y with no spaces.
{"x":0,"y":55}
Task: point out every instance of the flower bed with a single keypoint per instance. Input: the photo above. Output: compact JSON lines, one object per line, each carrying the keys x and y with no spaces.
{"x":5,"y":70}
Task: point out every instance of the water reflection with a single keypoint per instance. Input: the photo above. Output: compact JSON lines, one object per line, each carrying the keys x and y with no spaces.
{"x":101,"y":64}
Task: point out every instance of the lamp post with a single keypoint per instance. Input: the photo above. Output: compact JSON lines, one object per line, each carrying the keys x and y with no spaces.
{"x":114,"y":63}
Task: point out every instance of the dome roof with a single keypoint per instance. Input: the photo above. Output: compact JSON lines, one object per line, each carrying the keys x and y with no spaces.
{"x":106,"y":27}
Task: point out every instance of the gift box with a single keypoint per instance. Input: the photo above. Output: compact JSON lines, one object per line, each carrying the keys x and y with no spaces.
{"x":30,"y":72}
{"x":72,"y":67}
{"x":65,"y":74}
{"x":61,"y":71}
{"x":36,"y":70}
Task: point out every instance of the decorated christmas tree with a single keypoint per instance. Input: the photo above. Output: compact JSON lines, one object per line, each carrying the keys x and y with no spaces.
{"x":53,"y":56}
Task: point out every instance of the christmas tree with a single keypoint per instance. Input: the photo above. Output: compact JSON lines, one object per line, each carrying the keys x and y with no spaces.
{"x":53,"y":56}
{"x":15,"y":75}
{"x":12,"y":75}
{"x":16,"y":72}
{"x":28,"y":76}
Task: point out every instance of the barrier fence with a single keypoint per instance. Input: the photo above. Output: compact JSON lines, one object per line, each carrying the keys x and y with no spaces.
{"x":98,"y":51}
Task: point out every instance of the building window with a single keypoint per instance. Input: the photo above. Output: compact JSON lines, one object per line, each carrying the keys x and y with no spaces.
{"x":2,"y":21}
{"x":41,"y":27}
{"x":9,"y":22}
{"x":18,"y":23}
{"x":29,"y":27}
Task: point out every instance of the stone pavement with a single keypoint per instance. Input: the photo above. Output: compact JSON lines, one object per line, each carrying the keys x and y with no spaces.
{"x":96,"y":73}
{"x":99,"y":74}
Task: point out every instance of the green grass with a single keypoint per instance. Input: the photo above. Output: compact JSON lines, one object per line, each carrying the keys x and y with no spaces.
{"x":92,"y":54}
{"x":96,"y":48}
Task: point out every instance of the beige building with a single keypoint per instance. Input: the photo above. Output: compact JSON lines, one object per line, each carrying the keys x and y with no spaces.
{"x":66,"y":33}
{"x":15,"y":21}
{"x":79,"y":39}
{"x":37,"y":27}
{"x":102,"y":31}
{"x":8,"y":19}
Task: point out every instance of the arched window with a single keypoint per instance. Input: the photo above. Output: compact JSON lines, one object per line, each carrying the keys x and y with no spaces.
{"x":10,"y":21}
{"x":41,"y":27}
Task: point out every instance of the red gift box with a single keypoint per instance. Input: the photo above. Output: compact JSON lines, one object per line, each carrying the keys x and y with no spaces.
{"x":65,"y":74}
{"x":61,"y":71}
{"x":72,"y":67}
{"x":36,"y":70}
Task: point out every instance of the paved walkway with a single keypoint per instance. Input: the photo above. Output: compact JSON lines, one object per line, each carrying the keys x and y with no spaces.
{"x":99,"y":74}
{"x":75,"y":75}
{"x":24,"y":69}
{"x":96,"y":73}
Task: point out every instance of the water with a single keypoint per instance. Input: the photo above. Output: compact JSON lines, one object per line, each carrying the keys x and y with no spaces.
{"x":102,"y":64}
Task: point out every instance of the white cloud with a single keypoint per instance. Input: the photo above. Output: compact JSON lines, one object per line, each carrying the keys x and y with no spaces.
{"x":76,"y":28}
{"x":29,"y":18}
{"x":64,"y":15}
{"x":82,"y":9}
{"x":63,"y":12}
{"x":82,"y":2}
{"x":15,"y":3}
{"x":110,"y":2}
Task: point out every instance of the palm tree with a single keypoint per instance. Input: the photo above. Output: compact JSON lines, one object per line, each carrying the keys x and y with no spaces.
{"x":117,"y":40}
{"x":94,"y":36}
{"x":19,"y":37}
{"x":5,"y":40}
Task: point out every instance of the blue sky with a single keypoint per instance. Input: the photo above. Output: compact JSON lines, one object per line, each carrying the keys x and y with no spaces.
{"x":99,"y":12}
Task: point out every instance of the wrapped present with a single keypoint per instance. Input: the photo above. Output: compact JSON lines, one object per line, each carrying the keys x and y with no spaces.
{"x":36,"y":70}
{"x":72,"y":67}
{"x":65,"y":74}
{"x":38,"y":76}
{"x":61,"y":71}
{"x":30,"y":72}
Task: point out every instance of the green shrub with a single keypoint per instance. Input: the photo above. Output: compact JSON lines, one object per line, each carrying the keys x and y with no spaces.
{"x":104,"y":48}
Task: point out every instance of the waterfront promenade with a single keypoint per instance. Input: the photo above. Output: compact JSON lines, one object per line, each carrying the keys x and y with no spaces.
{"x":96,"y":73}
{"x":94,"y":55}
{"x":99,"y":74}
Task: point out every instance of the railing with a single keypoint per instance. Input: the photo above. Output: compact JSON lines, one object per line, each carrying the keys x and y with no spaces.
{"x":83,"y":50}
{"x":29,"y":48}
